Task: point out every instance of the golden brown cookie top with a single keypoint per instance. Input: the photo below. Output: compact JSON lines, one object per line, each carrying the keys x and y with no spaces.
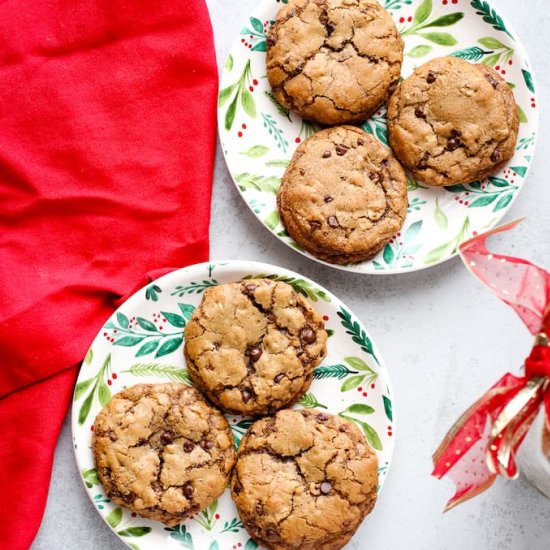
{"x":251,"y":346}
{"x":304,"y":480}
{"x":333,"y":61}
{"x":343,"y":195}
{"x":162,"y":451}
{"x":453,"y":122}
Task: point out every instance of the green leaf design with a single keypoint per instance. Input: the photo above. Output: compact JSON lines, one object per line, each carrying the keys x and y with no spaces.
{"x":484,"y":200}
{"x":250,"y":545}
{"x":260,"y":46}
{"x":281,"y":110}
{"x":492,"y":43}
{"x":352,"y":383}
{"x":114,"y":518}
{"x":248,"y":103}
{"x":122,"y":319}
{"x":214,"y":545}
{"x":522,"y":116}
{"x":309,"y":401}
{"x":359,"y":408}
{"x":528,"y":77}
{"x":438,"y":252}
{"x":231,"y":112}
{"x":272,"y":220}
{"x":503,"y":202}
{"x":420,"y":51}
{"x":332,"y":371}
{"x":257,"y":25}
{"x":440,"y":217}
{"x":229,"y":63}
{"x":256,"y":151}
{"x":174,"y":319}
{"x":440,"y":38}
{"x":519,"y":170}
{"x":103,"y":394}
{"x":85,"y":408}
{"x":180,"y":534}
{"x":447,"y":20}
{"x":357,"y":363}
{"x":492,"y":60}
{"x":489,"y":15}
{"x":356,"y":332}
{"x":413,"y":230}
{"x":128,"y":341}
{"x":159,"y":370}
{"x":233,"y":526}
{"x":187,"y":309}
{"x":388,"y":254}
{"x":473,"y":54}
{"x":90,"y":477}
{"x":148,"y":347}
{"x":423,"y":12}
{"x":268,"y":184}
{"x":134,"y":532}
{"x":81,"y":388}
{"x":146,"y":324}
{"x":368,"y":430}
{"x":89,"y":357}
{"x":277,"y":163}
{"x":388,"y":407}
{"x":225,"y":94}
{"x":169,"y":346}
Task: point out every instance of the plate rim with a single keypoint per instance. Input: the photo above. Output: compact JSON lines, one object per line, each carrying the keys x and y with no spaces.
{"x":401,"y":270}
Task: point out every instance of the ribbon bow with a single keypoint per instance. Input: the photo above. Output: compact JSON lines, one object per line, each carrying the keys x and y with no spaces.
{"x":483,"y":442}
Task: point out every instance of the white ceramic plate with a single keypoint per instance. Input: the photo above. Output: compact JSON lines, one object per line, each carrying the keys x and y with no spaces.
{"x":143,"y":342}
{"x":259,"y":137}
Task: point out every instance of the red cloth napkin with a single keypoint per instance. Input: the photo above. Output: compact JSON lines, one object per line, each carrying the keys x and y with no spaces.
{"x":107,"y":137}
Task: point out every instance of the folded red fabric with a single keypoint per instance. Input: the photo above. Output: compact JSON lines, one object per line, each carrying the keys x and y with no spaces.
{"x":107,"y":138}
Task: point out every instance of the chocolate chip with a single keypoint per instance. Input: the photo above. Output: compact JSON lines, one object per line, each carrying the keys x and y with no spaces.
{"x":278,"y":378}
{"x":327,"y":154}
{"x":188,"y":446}
{"x":314,"y":225}
{"x":325,"y":487}
{"x":322,"y":418}
{"x":360,"y":142}
{"x":246,"y":395}
{"x":330,"y":28}
{"x":206,"y":444}
{"x":495,"y":156}
{"x":302,"y":172}
{"x":423,"y":163}
{"x":270,"y":42}
{"x":419,"y":112}
{"x":188,"y":489}
{"x":167,"y":437}
{"x":341,"y":150}
{"x":333,"y":221}
{"x":107,"y":472}
{"x":453,"y":144}
{"x":271,"y":534}
{"x":455,"y":133}
{"x":259,"y":508}
{"x":237,"y":488}
{"x":342,"y":429}
{"x":255,"y":353}
{"x":307,"y":335}
{"x":128,"y":498}
{"x":250,"y":288}
{"x":492,"y":81}
{"x":431,"y":78}
{"x":112,"y":435}
{"x":328,"y":198}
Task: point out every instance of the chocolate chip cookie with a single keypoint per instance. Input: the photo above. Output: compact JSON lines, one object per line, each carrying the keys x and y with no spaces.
{"x":251,"y":346}
{"x":333,"y":61}
{"x":343,"y":196}
{"x":453,"y":122}
{"x":304,"y":480}
{"x":162,"y":451}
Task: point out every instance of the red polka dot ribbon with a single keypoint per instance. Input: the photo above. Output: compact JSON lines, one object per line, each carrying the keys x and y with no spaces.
{"x":483,"y":442}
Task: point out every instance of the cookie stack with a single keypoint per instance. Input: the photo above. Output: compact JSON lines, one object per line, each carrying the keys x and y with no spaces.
{"x":344,"y":195}
{"x":300,"y":479}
